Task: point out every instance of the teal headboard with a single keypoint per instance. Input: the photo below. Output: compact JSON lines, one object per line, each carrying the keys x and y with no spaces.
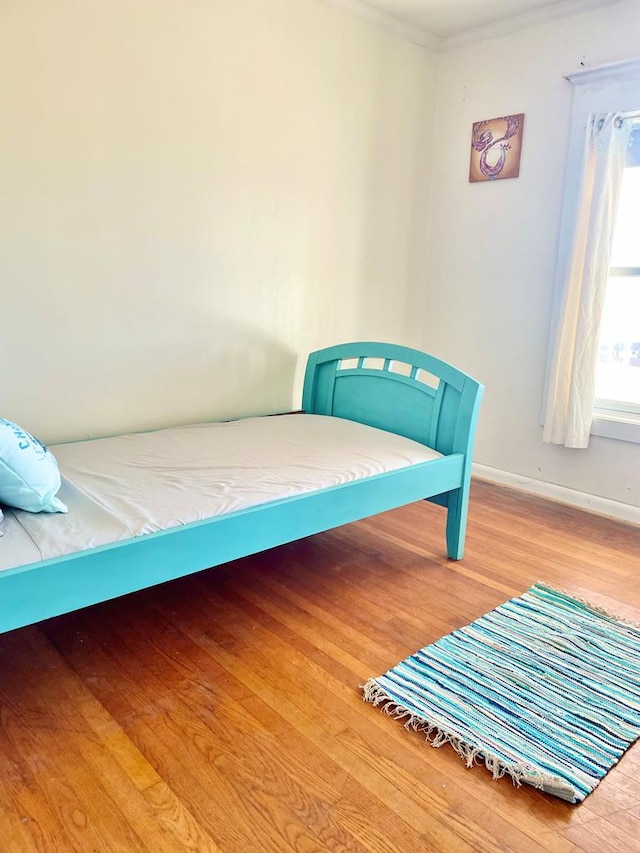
{"x":395,"y":388}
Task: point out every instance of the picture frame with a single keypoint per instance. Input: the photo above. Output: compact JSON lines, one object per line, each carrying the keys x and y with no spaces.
{"x":496,"y":146}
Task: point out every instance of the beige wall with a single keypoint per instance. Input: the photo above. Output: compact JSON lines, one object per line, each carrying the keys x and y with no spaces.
{"x":194,"y":195}
{"x":494,"y":245}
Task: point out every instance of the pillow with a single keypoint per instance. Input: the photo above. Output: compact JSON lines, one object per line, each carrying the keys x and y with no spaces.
{"x":29,"y":476}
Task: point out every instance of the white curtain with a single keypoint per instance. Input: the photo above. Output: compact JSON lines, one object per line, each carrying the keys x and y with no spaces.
{"x":571,"y":388}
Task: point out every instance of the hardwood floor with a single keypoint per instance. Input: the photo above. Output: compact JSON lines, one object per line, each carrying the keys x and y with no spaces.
{"x":222,"y":712}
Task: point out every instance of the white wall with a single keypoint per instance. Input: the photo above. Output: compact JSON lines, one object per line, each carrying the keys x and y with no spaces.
{"x":194,"y":195}
{"x":493,"y":245}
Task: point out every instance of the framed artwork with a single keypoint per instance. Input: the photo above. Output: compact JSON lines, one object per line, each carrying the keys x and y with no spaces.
{"x":496,"y":144}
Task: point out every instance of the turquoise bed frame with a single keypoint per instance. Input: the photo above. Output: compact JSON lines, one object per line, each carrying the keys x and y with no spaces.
{"x":382,"y":385}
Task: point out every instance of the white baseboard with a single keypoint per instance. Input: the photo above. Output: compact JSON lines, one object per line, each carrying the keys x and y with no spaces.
{"x":560,"y":494}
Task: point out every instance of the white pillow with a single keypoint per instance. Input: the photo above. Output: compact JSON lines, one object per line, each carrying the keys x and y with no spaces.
{"x":29,"y":476}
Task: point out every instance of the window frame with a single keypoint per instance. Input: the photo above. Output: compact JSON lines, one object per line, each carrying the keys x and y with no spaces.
{"x":612,"y":87}
{"x":607,"y":412}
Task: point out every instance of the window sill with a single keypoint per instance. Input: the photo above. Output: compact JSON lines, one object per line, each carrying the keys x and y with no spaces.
{"x":619,"y":426}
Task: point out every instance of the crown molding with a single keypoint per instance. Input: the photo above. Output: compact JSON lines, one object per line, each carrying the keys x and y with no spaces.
{"x":504,"y":27}
{"x":388,"y":22}
{"x":523,"y":21}
{"x":608,"y":71}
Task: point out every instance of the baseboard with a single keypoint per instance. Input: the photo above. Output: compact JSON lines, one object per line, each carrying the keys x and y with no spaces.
{"x":559,"y":494}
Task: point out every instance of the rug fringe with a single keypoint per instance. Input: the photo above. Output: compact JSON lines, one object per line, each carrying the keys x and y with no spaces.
{"x":438,"y":735}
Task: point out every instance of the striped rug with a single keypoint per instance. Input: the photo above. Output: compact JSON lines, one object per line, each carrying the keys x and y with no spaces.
{"x":545,"y":688}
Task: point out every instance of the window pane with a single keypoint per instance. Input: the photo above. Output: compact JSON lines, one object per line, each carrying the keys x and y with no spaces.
{"x":625,"y":250}
{"x":633,"y":157}
{"x":618,"y":373}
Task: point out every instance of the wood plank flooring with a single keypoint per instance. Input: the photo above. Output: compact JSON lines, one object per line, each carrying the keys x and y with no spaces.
{"x":221,"y":712}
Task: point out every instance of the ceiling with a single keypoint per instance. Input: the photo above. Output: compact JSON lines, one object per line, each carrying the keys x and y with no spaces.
{"x":449,"y":19}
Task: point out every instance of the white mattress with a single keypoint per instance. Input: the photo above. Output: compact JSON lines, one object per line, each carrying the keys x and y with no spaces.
{"x":131,"y":485}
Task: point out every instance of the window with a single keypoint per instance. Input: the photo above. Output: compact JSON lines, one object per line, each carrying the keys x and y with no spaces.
{"x":618,"y":368}
{"x":593,"y":379}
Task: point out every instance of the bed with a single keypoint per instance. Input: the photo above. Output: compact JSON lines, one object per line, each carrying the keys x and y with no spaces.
{"x":381,"y":426}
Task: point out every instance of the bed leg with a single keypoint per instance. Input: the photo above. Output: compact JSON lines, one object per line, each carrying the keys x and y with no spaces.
{"x":458,"y":502}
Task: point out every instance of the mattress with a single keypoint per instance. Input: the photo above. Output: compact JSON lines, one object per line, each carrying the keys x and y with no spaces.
{"x":131,"y":485}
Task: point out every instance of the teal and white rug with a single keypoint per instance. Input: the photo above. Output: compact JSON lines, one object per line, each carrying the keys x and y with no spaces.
{"x":545,"y":688}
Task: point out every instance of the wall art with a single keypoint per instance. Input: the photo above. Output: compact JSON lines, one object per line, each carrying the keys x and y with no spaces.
{"x":496,"y":144}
